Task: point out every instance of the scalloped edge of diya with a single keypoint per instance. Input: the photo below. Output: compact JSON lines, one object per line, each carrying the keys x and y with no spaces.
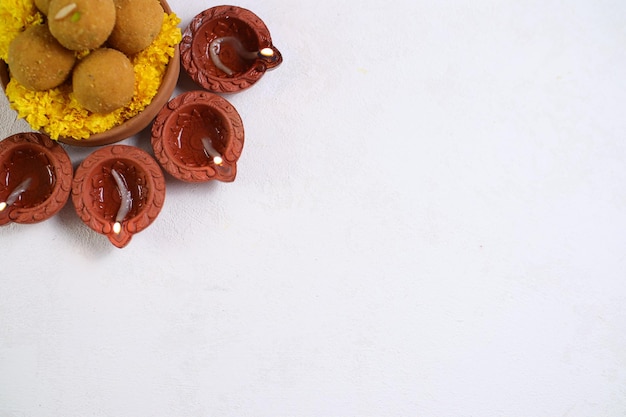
{"x":136,"y":123}
{"x":118,"y":220}
{"x":241,"y":36}
{"x":58,"y":167}
{"x":194,"y":156}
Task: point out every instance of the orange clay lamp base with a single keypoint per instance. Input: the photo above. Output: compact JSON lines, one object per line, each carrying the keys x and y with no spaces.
{"x":35,"y":180}
{"x":226,"y":49}
{"x":198,"y":137}
{"x":118,"y":191}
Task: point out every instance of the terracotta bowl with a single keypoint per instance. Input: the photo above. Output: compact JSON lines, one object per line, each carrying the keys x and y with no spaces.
{"x":245,"y":31}
{"x":183,"y":129}
{"x":97,"y":195}
{"x":135,"y":124}
{"x":35,"y":178}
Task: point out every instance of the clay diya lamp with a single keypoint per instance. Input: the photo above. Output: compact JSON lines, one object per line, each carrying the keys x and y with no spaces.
{"x":198,"y":137}
{"x":118,"y":191}
{"x":35,"y":178}
{"x":226,"y":49}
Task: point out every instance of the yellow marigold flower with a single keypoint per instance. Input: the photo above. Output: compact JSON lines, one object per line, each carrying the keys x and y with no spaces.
{"x":15,"y":16}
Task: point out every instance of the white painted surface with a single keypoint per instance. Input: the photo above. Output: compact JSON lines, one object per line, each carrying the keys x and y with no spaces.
{"x":428,"y":220}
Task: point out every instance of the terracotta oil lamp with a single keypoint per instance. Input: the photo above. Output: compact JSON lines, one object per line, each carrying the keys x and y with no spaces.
{"x":118,"y":191}
{"x":35,"y":178}
{"x":226,"y":49}
{"x":198,"y":137}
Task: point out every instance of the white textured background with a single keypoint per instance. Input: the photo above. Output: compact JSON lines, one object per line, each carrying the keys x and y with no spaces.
{"x":429,"y":220}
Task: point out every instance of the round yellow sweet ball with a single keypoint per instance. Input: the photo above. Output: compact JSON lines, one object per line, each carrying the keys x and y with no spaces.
{"x":81,"y":24}
{"x":38,"y":61}
{"x":104,"y":80}
{"x":137,"y":24}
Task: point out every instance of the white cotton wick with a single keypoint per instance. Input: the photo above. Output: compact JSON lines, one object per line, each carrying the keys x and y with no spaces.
{"x":125,"y":203}
{"x":213,"y":153}
{"x":216,"y":46}
{"x":214,"y":50}
{"x":15,"y":194}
